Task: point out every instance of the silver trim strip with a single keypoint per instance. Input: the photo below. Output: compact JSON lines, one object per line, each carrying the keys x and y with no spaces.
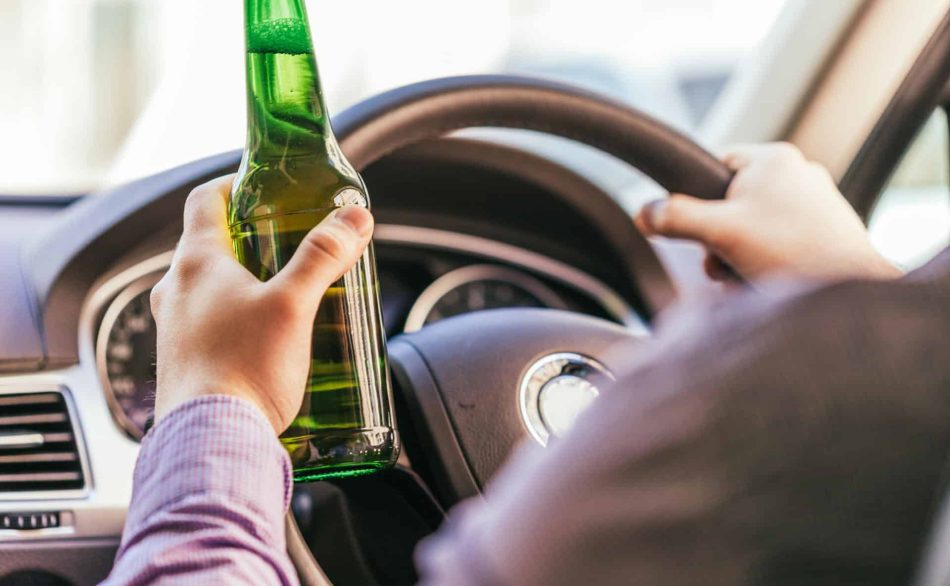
{"x":32,"y":534}
{"x":90,"y":332}
{"x":451,"y":280}
{"x":115,"y":284}
{"x":115,"y":308}
{"x":21,"y":440}
{"x":597,"y":290}
{"x":540,"y":373}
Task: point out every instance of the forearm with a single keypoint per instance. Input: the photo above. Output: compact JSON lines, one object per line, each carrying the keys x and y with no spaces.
{"x":212,"y":484}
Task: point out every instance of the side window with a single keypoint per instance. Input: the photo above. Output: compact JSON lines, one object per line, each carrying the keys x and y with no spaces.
{"x":911,"y":221}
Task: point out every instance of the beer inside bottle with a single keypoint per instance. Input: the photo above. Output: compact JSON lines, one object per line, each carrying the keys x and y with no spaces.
{"x":292,"y":175}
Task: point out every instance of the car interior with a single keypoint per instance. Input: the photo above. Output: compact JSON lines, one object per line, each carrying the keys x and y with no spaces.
{"x":507,"y":259}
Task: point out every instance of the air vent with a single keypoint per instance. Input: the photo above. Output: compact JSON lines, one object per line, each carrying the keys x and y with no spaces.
{"x":37,"y":444}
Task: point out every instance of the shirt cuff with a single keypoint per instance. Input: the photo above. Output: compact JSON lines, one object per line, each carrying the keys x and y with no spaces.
{"x":213,"y":445}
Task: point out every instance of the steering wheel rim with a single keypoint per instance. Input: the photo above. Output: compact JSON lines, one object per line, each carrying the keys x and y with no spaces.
{"x":429,"y":109}
{"x":459,"y":385}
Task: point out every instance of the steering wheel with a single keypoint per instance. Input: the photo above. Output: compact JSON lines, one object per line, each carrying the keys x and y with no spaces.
{"x":478,"y":384}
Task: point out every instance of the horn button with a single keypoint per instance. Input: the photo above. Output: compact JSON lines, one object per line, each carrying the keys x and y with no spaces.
{"x":474,"y":386}
{"x":555,"y":390}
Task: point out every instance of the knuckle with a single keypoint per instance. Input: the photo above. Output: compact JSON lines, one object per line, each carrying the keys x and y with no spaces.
{"x":198,"y":205}
{"x":188,"y":267}
{"x":728,"y":239}
{"x":819,"y":170}
{"x":157,"y":294}
{"x":720,"y":238}
{"x":786,"y":151}
{"x":786,"y":148}
{"x":672,"y":215}
{"x":675,"y":203}
{"x":194,"y":200}
{"x":329,"y":245}
{"x":733,"y":160}
{"x":726,"y":228}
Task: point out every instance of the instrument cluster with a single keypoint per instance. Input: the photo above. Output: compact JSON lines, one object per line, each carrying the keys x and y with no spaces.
{"x":126,"y":341}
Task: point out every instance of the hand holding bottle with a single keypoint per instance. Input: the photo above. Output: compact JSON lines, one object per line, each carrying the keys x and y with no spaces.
{"x":223,"y":331}
{"x":782,"y":214}
{"x":292,"y":174}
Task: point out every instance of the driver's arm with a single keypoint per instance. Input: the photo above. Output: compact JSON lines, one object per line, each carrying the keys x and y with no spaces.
{"x":212,"y":482}
{"x":793,"y":438}
{"x":788,"y":438}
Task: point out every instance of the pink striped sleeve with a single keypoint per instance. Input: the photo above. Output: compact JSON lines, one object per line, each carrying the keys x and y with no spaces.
{"x":212,"y":484}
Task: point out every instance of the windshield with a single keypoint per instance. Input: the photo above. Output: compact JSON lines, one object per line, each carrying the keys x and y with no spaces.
{"x":107,"y":91}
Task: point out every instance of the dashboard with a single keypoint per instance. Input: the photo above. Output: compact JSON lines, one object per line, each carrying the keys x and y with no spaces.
{"x":474,"y":226}
{"x":419,"y":286}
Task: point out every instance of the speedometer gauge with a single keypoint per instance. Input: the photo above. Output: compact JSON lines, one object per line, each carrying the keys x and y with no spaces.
{"x":125,"y":356}
{"x":477,"y":287}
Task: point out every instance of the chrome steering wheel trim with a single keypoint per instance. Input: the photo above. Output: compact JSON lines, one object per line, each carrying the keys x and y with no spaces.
{"x":555,"y":390}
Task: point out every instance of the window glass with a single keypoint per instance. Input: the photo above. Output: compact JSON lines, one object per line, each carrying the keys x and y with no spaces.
{"x":911,"y":221}
{"x":102,"y":91}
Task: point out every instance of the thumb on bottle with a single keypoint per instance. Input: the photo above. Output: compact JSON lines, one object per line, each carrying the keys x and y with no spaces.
{"x":328,"y":251}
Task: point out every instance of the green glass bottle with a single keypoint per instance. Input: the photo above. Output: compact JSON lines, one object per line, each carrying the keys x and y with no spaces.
{"x":292,"y":175}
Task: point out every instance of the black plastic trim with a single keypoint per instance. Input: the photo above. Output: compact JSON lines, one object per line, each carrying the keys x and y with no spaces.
{"x":429,"y":419}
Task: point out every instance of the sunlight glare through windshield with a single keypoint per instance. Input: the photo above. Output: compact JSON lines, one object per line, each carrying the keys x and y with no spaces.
{"x":113,"y":90}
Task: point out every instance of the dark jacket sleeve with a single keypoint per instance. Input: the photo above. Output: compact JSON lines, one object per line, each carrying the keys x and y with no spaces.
{"x":791,"y":440}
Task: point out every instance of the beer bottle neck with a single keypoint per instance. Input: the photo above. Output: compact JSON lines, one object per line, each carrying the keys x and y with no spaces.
{"x":286,"y":111}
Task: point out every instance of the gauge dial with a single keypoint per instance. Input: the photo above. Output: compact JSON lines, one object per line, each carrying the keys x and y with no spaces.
{"x":125,"y":357}
{"x":478,"y":287}
{"x":125,"y":349}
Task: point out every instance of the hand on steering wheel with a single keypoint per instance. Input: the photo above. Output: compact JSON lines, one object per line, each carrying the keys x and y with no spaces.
{"x":782,"y":214}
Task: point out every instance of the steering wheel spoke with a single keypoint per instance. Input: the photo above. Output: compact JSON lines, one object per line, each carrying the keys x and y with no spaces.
{"x":461,"y":381}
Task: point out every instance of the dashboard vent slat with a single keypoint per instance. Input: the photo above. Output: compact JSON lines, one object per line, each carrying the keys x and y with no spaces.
{"x":29,"y":419}
{"x":28,"y":458}
{"x":38,"y":450}
{"x":9,"y":400}
{"x":41,"y":477}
